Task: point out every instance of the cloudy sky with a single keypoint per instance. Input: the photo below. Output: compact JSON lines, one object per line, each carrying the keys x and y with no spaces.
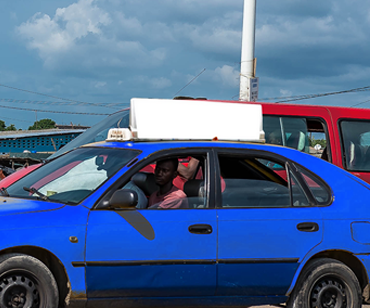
{"x":104,"y":52}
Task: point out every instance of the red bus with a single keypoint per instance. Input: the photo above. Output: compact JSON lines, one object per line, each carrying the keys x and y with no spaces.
{"x":344,"y":134}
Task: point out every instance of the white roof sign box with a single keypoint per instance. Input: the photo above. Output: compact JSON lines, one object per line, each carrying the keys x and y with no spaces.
{"x":160,"y":119}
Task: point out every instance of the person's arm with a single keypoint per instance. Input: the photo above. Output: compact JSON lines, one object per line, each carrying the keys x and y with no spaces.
{"x":2,"y":175}
{"x":188,"y":172}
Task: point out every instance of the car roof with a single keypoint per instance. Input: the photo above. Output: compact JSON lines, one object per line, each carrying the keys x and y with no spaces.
{"x":164,"y":145}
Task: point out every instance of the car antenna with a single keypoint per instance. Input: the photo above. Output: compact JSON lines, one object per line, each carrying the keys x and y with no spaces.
{"x":190,"y":81}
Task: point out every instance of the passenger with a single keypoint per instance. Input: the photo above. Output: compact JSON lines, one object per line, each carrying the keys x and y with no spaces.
{"x":186,"y":172}
{"x":168,"y":196}
{"x":275,"y":137}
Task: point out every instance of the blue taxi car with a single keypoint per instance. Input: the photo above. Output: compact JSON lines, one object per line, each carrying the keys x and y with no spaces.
{"x":261,"y":224}
{"x":71,"y":234}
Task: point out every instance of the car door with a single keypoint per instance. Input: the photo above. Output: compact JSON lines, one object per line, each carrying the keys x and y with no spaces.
{"x":267,"y":222}
{"x":153,"y":252}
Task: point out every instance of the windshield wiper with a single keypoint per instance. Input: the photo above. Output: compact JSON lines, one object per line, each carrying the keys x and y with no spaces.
{"x":4,"y":192}
{"x":35,"y":191}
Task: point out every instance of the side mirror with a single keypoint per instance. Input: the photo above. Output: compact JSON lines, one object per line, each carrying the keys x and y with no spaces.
{"x":124,"y":199}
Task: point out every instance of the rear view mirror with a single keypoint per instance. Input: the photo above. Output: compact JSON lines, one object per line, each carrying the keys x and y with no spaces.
{"x":99,"y":161}
{"x":123,"y":199}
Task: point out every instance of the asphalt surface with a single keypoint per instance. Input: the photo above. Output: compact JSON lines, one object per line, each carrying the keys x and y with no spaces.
{"x":364,"y":306}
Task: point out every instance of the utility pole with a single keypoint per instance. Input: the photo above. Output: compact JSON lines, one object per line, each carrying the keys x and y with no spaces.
{"x":248,"y":81}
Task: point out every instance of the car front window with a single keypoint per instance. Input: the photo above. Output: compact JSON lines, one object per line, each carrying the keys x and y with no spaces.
{"x":98,"y":132}
{"x":72,"y":177}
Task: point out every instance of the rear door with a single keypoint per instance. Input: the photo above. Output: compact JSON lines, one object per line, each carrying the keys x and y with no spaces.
{"x":268,"y":221}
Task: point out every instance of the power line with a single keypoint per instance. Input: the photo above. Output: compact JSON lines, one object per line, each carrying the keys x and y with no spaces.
{"x":190,"y":81}
{"x":109,"y":105}
{"x":38,"y":93}
{"x":310,"y":96}
{"x":361,"y":103}
{"x":53,"y":111}
{"x":19,"y":101}
{"x":19,"y":120}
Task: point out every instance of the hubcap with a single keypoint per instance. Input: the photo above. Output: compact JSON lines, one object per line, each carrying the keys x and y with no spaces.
{"x":18,"y":291}
{"x":329,"y":293}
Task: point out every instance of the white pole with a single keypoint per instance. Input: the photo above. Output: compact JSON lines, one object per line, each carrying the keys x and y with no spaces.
{"x":247,"y":59}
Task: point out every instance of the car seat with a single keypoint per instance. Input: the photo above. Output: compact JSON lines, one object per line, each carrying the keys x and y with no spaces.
{"x":297,"y":140}
{"x":146,"y":182}
{"x":194,"y":190}
{"x":354,"y":157}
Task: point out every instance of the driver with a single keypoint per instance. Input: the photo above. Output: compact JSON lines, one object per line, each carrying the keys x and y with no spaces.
{"x":168,"y":196}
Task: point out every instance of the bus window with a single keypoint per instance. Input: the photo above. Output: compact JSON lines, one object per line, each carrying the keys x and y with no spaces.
{"x":318,"y":139}
{"x":287,"y":131}
{"x":356,"y":144}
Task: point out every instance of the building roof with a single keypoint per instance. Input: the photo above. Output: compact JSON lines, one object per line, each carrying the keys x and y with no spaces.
{"x":37,"y":133}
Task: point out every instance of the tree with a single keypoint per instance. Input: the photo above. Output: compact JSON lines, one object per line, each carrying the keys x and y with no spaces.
{"x":43,"y":124}
{"x":314,"y":141}
{"x":2,"y":125}
{"x":11,"y":127}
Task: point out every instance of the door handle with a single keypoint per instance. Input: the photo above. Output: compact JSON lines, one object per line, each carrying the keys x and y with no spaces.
{"x":200,"y":229}
{"x":308,"y":227}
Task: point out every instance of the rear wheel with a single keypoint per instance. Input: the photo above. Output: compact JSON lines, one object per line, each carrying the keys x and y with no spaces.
{"x":26,"y":282}
{"x":326,"y":283}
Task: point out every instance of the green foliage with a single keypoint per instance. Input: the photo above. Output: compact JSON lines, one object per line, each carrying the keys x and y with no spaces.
{"x":314,"y":141}
{"x":3,"y":127}
{"x":11,"y":127}
{"x":43,"y":124}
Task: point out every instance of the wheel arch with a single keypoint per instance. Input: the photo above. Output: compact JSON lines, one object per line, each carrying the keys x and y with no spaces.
{"x":53,"y":263}
{"x":343,"y":256}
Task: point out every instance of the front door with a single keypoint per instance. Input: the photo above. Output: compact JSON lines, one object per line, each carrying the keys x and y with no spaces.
{"x":154,"y":252}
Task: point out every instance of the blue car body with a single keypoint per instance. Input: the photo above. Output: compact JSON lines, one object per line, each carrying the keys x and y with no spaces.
{"x":142,"y":257}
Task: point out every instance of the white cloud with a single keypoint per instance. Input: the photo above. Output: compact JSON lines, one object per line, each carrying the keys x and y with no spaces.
{"x":60,"y":33}
{"x":321,"y":32}
{"x":227,"y":75}
{"x":86,"y":36}
{"x":215,"y":35}
{"x":160,"y":83}
{"x":286,"y":92}
{"x":100,"y":84}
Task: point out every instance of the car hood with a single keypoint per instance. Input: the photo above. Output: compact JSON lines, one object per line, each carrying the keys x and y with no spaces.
{"x":12,"y":206}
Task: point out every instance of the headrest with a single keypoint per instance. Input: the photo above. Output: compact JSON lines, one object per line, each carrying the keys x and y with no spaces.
{"x":146,"y":182}
{"x":297,"y":140}
{"x":194,"y":188}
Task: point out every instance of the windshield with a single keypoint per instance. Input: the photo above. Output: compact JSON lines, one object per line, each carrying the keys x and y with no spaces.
{"x":98,"y":132}
{"x":72,"y":177}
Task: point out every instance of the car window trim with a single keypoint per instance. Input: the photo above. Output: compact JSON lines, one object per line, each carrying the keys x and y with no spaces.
{"x":151,"y":158}
{"x":245,"y":152}
{"x":314,"y":175}
{"x":341,"y":139}
{"x":307,"y":191}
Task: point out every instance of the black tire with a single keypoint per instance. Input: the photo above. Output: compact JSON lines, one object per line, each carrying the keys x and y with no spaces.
{"x":26,"y":282}
{"x":326,"y":283}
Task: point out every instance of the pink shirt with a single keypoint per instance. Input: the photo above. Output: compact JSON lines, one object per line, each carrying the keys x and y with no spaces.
{"x":174,"y":199}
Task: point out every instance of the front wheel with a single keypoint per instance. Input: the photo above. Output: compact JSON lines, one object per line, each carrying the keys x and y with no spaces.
{"x":26,"y":282}
{"x":326,"y":283}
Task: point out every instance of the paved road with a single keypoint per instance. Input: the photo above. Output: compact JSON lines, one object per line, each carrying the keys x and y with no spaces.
{"x":364,"y":306}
